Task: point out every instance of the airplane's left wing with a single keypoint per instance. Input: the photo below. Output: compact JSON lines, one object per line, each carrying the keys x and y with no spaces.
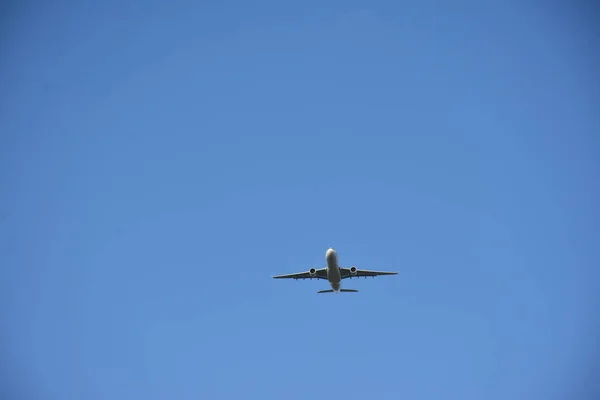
{"x":310,"y":274}
{"x":354,"y":272}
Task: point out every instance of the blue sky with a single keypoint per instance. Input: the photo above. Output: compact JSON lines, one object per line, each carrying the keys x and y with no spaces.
{"x":160,"y":162}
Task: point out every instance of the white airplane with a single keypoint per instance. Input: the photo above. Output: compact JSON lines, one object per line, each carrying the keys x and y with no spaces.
{"x":334,"y":273}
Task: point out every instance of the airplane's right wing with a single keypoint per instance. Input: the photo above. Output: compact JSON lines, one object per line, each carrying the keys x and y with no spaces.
{"x":310,"y":274}
{"x":354,"y":272}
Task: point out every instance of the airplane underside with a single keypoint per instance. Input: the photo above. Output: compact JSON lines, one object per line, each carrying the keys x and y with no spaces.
{"x":334,"y":274}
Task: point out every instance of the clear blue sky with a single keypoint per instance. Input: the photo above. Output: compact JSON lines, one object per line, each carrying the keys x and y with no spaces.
{"x":159,"y":163}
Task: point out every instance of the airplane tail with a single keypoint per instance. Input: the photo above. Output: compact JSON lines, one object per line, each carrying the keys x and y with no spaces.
{"x":341,"y":290}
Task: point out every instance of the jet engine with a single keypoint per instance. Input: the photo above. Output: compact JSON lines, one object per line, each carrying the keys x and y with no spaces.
{"x":313,"y":272}
{"x":353,"y":270}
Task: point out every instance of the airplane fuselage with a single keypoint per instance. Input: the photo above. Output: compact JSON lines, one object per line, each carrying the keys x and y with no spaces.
{"x":334,"y":275}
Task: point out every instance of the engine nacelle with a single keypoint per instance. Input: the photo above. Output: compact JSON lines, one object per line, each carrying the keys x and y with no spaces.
{"x":313,"y":272}
{"x":353,"y":270}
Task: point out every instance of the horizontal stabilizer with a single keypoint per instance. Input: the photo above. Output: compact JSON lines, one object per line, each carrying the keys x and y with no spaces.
{"x":341,"y":290}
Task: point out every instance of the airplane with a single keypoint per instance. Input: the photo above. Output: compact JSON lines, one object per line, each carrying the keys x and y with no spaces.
{"x":334,"y":273}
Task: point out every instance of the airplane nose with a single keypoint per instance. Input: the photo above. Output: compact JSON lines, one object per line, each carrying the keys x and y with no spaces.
{"x":329,"y":253}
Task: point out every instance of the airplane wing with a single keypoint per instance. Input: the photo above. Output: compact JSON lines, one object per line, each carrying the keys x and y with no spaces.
{"x":310,"y":274}
{"x":354,"y":272}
